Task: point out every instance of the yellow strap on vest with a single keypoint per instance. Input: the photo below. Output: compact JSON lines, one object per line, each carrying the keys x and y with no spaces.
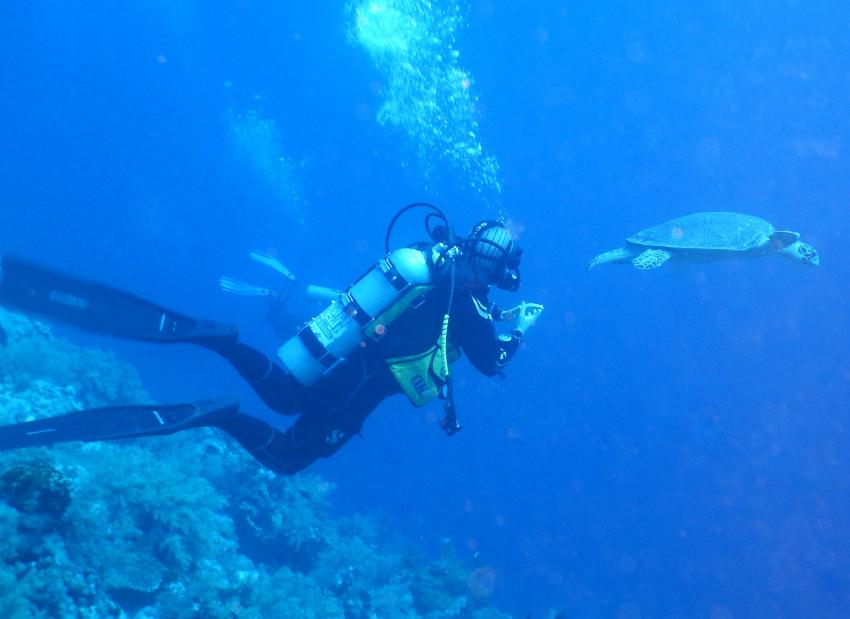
{"x":442,"y":345}
{"x":422,"y":376}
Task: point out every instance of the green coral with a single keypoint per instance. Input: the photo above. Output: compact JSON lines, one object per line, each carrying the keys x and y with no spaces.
{"x":393,"y":601}
{"x":288,"y":514}
{"x":36,"y":487}
{"x":158,"y":507}
{"x":89,"y":378}
{"x":12,"y":605}
{"x":284,"y":593}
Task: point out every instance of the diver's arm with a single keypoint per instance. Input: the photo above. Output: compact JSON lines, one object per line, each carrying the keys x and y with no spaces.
{"x":488,"y":352}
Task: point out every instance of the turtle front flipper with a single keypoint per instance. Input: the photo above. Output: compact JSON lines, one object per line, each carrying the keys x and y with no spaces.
{"x":621,"y":254}
{"x":651,"y":259}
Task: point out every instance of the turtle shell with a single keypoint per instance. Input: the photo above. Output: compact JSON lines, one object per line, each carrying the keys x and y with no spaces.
{"x":707,"y":231}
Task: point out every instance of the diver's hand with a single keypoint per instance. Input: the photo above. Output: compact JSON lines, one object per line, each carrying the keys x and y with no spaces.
{"x":508,"y":314}
{"x":527,"y":315}
{"x":512,"y":313}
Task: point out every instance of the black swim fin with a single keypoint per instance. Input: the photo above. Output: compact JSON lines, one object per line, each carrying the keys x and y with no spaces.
{"x":117,"y":422}
{"x":100,"y":308}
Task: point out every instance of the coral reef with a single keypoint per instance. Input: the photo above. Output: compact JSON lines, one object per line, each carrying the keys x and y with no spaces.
{"x":37,"y":488}
{"x":186,"y":525}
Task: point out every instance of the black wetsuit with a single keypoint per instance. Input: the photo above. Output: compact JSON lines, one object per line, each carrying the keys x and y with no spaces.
{"x":334,"y":410}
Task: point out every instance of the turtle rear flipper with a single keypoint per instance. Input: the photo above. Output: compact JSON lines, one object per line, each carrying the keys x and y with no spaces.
{"x":651,"y":259}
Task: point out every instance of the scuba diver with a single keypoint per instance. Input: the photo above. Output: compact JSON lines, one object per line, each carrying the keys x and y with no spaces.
{"x":286,"y":301}
{"x":395,"y":330}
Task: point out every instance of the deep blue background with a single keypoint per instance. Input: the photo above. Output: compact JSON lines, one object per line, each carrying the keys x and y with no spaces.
{"x":670,"y":443}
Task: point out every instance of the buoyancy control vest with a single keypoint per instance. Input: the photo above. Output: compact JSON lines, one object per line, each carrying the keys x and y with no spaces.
{"x":400,"y":280}
{"x":421,"y":376}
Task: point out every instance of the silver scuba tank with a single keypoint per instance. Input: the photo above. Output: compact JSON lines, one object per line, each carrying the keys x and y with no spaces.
{"x":336,"y":332}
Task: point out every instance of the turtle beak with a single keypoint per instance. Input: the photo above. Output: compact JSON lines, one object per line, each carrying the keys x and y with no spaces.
{"x":809,"y":255}
{"x":804,"y":252}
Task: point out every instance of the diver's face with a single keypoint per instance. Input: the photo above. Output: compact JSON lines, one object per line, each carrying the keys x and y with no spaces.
{"x":508,"y":273}
{"x":510,"y":281}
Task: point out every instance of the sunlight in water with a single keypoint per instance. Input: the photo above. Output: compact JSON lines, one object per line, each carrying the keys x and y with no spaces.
{"x":427,"y":95}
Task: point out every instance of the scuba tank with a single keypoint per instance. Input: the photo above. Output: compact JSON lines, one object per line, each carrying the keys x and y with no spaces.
{"x":353,"y":316}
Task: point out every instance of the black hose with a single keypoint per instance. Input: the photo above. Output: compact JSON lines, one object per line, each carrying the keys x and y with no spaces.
{"x":449,"y":421}
{"x":436,"y":213}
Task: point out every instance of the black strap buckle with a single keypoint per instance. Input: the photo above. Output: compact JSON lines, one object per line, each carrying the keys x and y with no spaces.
{"x":316,"y":348}
{"x":449,"y":422}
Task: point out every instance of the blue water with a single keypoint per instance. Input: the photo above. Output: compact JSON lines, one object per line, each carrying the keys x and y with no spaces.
{"x":671,"y":443}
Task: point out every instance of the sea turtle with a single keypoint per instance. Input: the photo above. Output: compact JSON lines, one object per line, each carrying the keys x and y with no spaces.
{"x":708,"y":236}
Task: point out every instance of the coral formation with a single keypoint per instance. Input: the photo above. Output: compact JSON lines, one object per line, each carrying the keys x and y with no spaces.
{"x":186,"y":525}
{"x":36,"y":488}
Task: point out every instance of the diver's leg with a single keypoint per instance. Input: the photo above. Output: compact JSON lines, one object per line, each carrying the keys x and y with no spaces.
{"x":276,"y":388}
{"x":311,"y":437}
{"x":328,"y":421}
{"x":270,"y":446}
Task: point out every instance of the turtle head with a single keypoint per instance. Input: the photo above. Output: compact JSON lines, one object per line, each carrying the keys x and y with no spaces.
{"x":781,"y":239}
{"x":802,"y":252}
